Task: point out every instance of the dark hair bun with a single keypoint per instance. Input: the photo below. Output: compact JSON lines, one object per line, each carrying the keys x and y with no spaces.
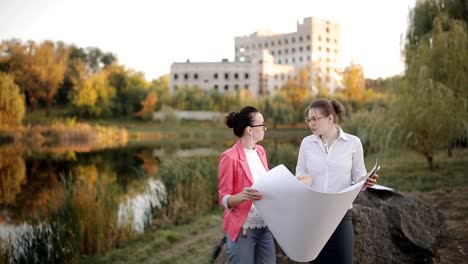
{"x":231,"y":119}
{"x":339,"y":108}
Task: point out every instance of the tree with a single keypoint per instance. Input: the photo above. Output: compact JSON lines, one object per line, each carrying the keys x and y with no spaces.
{"x":93,"y":96}
{"x":12,"y":105}
{"x":37,"y":69}
{"x":430,"y":105}
{"x":354,"y":83}
{"x":131,"y":88}
{"x":148,"y":106}
{"x":297,"y":88}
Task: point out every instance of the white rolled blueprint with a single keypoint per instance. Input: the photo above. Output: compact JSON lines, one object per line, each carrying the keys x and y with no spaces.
{"x":301,"y":219}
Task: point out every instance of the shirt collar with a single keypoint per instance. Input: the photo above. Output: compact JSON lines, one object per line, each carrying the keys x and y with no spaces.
{"x":341,"y":134}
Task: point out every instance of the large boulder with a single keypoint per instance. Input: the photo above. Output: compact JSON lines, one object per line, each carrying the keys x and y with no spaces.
{"x":389,"y":227}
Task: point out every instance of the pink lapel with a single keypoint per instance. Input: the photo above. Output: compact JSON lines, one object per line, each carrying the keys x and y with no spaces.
{"x":243,"y":160}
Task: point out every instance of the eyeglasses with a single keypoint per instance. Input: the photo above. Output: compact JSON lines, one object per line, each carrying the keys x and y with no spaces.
{"x":313,"y":118}
{"x":263,"y":125}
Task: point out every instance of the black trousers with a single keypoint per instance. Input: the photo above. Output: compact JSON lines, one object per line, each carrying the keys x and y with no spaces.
{"x":340,"y":247}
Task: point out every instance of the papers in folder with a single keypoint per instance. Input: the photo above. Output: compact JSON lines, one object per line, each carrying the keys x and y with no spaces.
{"x":301,"y":219}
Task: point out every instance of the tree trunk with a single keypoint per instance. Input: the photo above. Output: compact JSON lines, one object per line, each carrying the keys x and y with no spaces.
{"x":449,"y":149}
{"x":430,"y":161}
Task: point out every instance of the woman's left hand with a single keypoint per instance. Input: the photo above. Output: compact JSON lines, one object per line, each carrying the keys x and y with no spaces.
{"x":371,"y":181}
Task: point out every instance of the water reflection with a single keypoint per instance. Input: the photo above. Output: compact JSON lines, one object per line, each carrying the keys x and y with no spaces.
{"x":137,"y":211}
{"x":96,"y":196}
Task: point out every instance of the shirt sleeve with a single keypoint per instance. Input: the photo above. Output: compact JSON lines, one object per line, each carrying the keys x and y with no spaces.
{"x":301,"y":160}
{"x":359,"y":168}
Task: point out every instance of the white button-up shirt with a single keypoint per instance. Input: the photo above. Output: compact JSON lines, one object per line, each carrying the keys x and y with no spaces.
{"x":331,"y":172}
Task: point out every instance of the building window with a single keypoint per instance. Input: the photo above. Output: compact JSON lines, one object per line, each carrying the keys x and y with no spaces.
{"x":272,"y":52}
{"x":328,"y":40}
{"x":282,"y":77}
{"x":328,"y":59}
{"x":246,"y":76}
{"x":285,"y":51}
{"x":293,"y":50}
{"x":308,"y":47}
{"x":300,"y":48}
{"x":236,"y":87}
{"x":328,"y":49}
{"x":308,"y":58}
{"x":266,"y":44}
{"x":226,"y":76}
{"x":285,"y":41}
{"x":216,"y":87}
{"x":328,"y":70}
{"x":176,"y":76}
{"x":328,"y":30}
{"x":272,"y":43}
{"x":293,"y":60}
{"x":293,"y":40}
{"x":246,"y":87}
{"x":320,"y":48}
{"x":300,"y":38}
{"x":226,"y":87}
{"x":215,"y":76}
{"x":300,"y":59}
{"x":186,"y":76}
{"x":279,"y":52}
{"x":195,"y":76}
{"x":320,"y":38}
{"x":279,"y":42}
{"x":236,"y":76}
{"x":279,"y":61}
{"x":308,"y":37}
{"x":275,"y":77}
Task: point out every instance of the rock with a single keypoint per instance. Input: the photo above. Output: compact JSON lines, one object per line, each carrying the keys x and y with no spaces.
{"x":389,"y":227}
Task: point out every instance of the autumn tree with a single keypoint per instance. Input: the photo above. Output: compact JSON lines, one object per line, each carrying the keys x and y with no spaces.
{"x":37,"y":69}
{"x":354,"y":82}
{"x":12,"y":106}
{"x":93,"y":96}
{"x":297,"y":88}
{"x":148,"y":106}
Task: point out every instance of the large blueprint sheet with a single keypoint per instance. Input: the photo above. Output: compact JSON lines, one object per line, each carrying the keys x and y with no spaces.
{"x":301,"y":219}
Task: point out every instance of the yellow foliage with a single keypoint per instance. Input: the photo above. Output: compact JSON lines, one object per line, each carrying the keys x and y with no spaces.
{"x":354,"y":83}
{"x":298,"y":88}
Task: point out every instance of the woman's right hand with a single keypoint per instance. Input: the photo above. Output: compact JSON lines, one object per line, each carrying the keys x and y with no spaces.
{"x":306,"y":179}
{"x":250,"y":194}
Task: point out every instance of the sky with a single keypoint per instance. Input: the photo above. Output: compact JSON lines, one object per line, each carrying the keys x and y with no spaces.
{"x":148,"y":36}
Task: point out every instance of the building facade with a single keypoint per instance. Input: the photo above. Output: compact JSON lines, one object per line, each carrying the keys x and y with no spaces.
{"x":265,"y":61}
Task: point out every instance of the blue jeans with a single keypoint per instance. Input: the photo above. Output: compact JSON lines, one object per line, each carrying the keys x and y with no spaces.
{"x":256,"y":248}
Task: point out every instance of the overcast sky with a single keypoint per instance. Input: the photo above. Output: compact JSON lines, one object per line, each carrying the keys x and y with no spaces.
{"x":148,"y":36}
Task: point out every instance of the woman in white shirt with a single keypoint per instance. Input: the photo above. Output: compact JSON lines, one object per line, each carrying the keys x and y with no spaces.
{"x":329,"y":161}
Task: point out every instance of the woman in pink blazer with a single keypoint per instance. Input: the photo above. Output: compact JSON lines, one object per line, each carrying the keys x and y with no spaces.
{"x":248,"y":238}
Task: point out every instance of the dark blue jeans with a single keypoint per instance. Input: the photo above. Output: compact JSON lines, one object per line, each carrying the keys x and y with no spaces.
{"x":257,"y":248}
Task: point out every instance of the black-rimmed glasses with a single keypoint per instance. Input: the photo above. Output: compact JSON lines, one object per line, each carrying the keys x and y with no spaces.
{"x":263,"y":125}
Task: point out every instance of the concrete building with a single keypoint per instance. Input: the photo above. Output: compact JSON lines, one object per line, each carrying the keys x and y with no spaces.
{"x":264,"y":61}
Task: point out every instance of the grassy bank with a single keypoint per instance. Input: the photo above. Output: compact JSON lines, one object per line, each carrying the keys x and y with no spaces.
{"x":193,"y":242}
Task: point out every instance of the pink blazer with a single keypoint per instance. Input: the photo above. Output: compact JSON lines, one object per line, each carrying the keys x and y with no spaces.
{"x":234,"y":174}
